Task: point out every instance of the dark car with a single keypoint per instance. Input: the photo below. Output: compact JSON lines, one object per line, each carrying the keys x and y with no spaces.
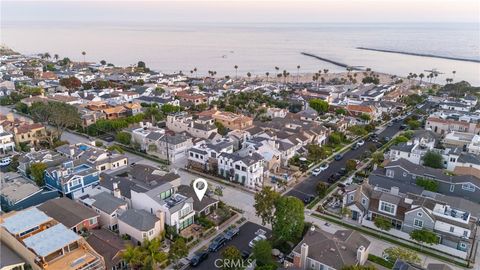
{"x":338,"y":157}
{"x":355,"y":147}
{"x":334,"y":177}
{"x":198,"y":258}
{"x":232,"y":232}
{"x":402,"y":127}
{"x":308,"y":199}
{"x":217,"y":243}
{"x":342,"y":171}
{"x":245,"y":254}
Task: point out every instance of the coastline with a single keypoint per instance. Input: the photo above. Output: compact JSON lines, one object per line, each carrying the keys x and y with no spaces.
{"x":419,"y":54}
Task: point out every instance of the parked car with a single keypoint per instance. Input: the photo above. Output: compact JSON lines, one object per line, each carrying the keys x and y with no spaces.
{"x":338,"y":157}
{"x":323,"y":167}
{"x":256,"y":239}
{"x":245,"y":254}
{"x":355,"y":147}
{"x":316,"y":171}
{"x":334,"y":177}
{"x":5,"y":161}
{"x":217,"y":243}
{"x":390,"y":124}
{"x":198,"y":258}
{"x":361,"y":142}
{"x":402,"y":127}
{"x":342,"y":171}
{"x":232,"y":232}
{"x":308,"y":199}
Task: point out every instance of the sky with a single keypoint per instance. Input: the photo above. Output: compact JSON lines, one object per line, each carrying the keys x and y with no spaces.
{"x":245,"y":11}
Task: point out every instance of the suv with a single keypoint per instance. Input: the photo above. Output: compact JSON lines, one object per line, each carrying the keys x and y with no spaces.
{"x":217,"y":243}
{"x":232,"y":232}
{"x":198,"y":258}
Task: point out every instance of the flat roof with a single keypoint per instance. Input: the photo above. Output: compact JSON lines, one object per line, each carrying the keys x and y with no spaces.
{"x":25,"y":220}
{"x":52,"y":239}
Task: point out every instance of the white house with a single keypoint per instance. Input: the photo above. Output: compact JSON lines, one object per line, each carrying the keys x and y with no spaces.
{"x":246,"y":168}
{"x":7,"y":142}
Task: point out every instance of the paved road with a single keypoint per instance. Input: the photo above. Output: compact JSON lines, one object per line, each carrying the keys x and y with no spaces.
{"x":307,"y":187}
{"x":247,"y":233}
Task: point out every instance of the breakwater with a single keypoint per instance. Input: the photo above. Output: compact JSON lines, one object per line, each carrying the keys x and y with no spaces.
{"x":330,"y":61}
{"x":420,"y":54}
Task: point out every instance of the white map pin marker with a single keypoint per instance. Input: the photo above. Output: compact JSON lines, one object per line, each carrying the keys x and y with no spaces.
{"x":200,"y":187}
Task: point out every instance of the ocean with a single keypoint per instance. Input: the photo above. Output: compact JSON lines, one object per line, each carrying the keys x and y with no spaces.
{"x":257,"y":48}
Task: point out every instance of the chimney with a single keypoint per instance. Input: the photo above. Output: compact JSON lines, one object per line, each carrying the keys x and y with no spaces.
{"x":72,"y":151}
{"x":362,"y":255}
{"x":394,"y":190}
{"x":303,"y":256}
{"x":116,"y":191}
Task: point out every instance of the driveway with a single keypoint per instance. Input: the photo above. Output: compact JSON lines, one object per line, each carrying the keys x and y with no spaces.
{"x":246,"y":234}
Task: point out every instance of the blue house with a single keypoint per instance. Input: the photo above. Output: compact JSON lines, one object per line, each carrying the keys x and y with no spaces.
{"x":72,"y":177}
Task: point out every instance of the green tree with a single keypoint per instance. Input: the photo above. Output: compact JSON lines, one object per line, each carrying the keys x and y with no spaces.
{"x":133,"y":255}
{"x":322,"y":188}
{"x":401,"y":139}
{"x":21,"y":107}
{"x":265,"y":201}
{"x":123,"y":138}
{"x":383,"y":223}
{"x":221,"y":129}
{"x":341,"y":111}
{"x":430,"y":185}
{"x":365,"y":117}
{"x":394,"y":253}
{"x":231,"y":256}
{"x":58,"y":114}
{"x":152,"y":254}
{"x":335,"y":138}
{"x":315,"y":152}
{"x":289,"y":219}
{"x":377,"y":157}
{"x":351,"y":165}
{"x":358,"y":130}
{"x":262,"y":253}
{"x":141,"y":64}
{"x":37,"y":172}
{"x":424,"y":236}
{"x":103,"y":62}
{"x":169,"y":108}
{"x":346,"y":212}
{"x":413,"y":124}
{"x":71,"y":82}
{"x":178,"y":250}
{"x":433,"y":160}
{"x":321,"y":106}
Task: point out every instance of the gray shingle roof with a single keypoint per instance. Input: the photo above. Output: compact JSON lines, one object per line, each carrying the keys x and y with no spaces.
{"x":139,"y":219}
{"x":107,"y":202}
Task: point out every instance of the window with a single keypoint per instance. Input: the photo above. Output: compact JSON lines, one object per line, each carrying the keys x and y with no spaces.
{"x":387,"y":207}
{"x":463,"y":245}
{"x":452,"y":229}
{"x":404,"y":174}
{"x":452,"y":188}
{"x":364,"y":201}
{"x":191,"y":154}
{"x":390,"y":173}
{"x":150,"y":233}
{"x":92,"y":221}
{"x":465,"y":233}
{"x":418,"y":223}
{"x":351,"y":197}
{"x":144,"y":235}
{"x":420,"y":214}
{"x":468,"y":187}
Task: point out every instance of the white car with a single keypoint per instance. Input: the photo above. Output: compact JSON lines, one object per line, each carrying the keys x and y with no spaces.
{"x":256,"y":239}
{"x":5,"y":161}
{"x":361,"y":142}
{"x":316,"y":172}
{"x":323,"y":167}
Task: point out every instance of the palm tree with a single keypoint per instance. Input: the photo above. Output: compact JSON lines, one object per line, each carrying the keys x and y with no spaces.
{"x":325,"y":71}
{"x":46,"y":55}
{"x":195,"y":70}
{"x":84,"y":53}
{"x":152,"y":253}
{"x":454,"y":72}
{"x":56,"y":57}
{"x":236,"y":69}
{"x":133,"y":256}
{"x":298,"y":73}
{"x":267,"y":74}
{"x":421,"y":77}
{"x":249,"y":75}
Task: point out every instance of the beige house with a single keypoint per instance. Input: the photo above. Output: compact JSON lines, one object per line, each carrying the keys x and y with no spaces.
{"x":140,"y":225}
{"x":109,"y":207}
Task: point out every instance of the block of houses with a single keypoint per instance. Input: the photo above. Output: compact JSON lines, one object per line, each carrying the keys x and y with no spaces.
{"x":204,"y":156}
{"x":17,"y":192}
{"x":71,"y":178}
{"x":203,"y":127}
{"x":245,"y":168}
{"x":462,"y":186}
{"x":46,"y":156}
{"x":70,"y":213}
{"x":452,"y":219}
{"x":414,"y":150}
{"x":322,"y":250}
{"x":108,"y":207}
{"x":140,"y":225}
{"x":44,"y":243}
{"x":96,"y":157}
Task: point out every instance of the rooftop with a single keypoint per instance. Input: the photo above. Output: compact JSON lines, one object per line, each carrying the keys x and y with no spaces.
{"x":25,"y":220}
{"x":50,"y":240}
